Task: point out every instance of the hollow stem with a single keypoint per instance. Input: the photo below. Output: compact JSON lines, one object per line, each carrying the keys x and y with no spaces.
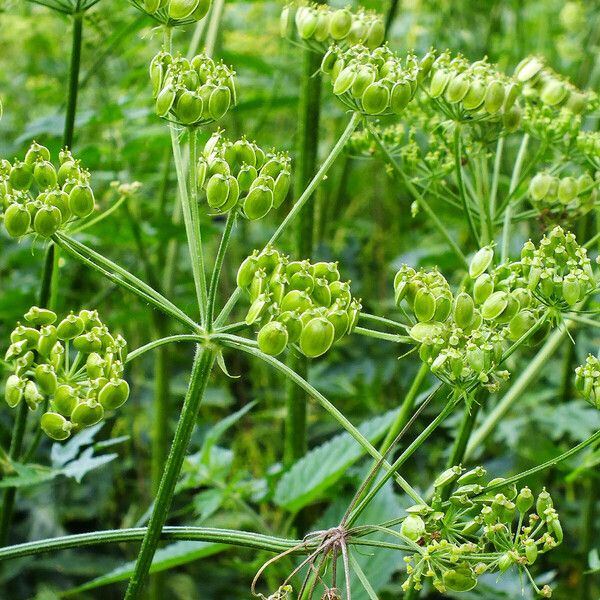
{"x":201,"y":369}
{"x":73,"y":79}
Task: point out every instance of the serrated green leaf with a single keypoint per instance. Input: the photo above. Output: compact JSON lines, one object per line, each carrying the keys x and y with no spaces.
{"x":312,"y":475}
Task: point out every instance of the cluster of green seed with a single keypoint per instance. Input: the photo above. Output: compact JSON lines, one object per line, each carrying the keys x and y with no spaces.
{"x":475,"y":91}
{"x":241,"y":173}
{"x":191,"y":92}
{"x":474,"y":532}
{"x":567,"y":195}
{"x":39,"y":198}
{"x":587,"y":380}
{"x":546,"y":85}
{"x":297,"y":302}
{"x":551,"y":126}
{"x":558,"y":270}
{"x":319,"y":26}
{"x":362,"y":144}
{"x":588,"y":143}
{"x":174,"y":12}
{"x":76,"y":364}
{"x":373,"y":82}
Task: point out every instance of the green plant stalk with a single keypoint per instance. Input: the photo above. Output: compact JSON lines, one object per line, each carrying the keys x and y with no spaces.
{"x":201,"y":369}
{"x":123,"y":278}
{"x":201,"y":534}
{"x":588,"y":532}
{"x":295,"y":438}
{"x":406,"y":409}
{"x":514,"y":181}
{"x":406,"y":454}
{"x":391,"y":15}
{"x":73,"y":79}
{"x":216,"y":274}
{"x":496,"y":180}
{"x":419,"y":198}
{"x":242,"y":344}
{"x":527,"y":377}
{"x":299,"y":204}
{"x":461,"y":183}
{"x":381,"y":335}
{"x":18,"y":433}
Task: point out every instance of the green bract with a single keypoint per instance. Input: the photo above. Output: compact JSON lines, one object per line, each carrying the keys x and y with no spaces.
{"x":191,"y":92}
{"x":38,"y":198}
{"x":241,"y":174}
{"x":297,"y":302}
{"x":317,"y":26}
{"x":76,"y":364}
{"x":373,"y":82}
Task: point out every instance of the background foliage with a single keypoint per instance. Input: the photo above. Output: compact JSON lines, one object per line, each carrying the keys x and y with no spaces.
{"x":233,"y":476}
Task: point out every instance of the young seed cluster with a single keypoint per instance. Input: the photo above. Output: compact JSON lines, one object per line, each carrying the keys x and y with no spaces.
{"x":476,"y":91}
{"x":373,"y":82}
{"x":545,"y":85}
{"x":318,"y":26}
{"x":587,"y":380}
{"x":566,"y":197}
{"x":558,"y":270}
{"x":38,"y":197}
{"x":76,"y":365}
{"x":297,"y":302}
{"x":474,"y":532}
{"x":242,"y":174}
{"x":191,"y":92}
{"x":174,"y":12}
{"x":459,"y":345}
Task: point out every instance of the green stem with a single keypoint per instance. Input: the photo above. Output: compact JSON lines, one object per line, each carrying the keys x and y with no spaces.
{"x":201,"y":369}
{"x":18,"y":433}
{"x":182,"y":337}
{"x":306,"y":196}
{"x":391,"y":15}
{"x":194,"y":228}
{"x":216,"y":274}
{"x":514,"y":180}
{"x":461,"y":183}
{"x":123,"y":278}
{"x":295,"y":440}
{"x":115,"y":536}
{"x":419,"y":197}
{"x":516,"y":391}
{"x":549,"y":463}
{"x":242,"y":344}
{"x":73,"y":80}
{"x":406,"y":454}
{"x":380,"y":335}
{"x":496,"y":180}
{"x":406,"y":409}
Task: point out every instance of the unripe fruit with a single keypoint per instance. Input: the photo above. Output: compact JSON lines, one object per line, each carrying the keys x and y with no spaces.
{"x":114,"y":394}
{"x":68,"y":170}
{"x":273,"y":338}
{"x":495,"y":305}
{"x":296,"y":300}
{"x":282,"y":188}
{"x":457,"y":88}
{"x":438,"y":83}
{"x":480,"y":262}
{"x":459,"y":580}
{"x":21,"y":176}
{"x":567,"y":189}
{"x":413,"y":527}
{"x":494,"y":97}
{"x":424,"y":305}
{"x":13,"y":390}
{"x":217,"y":190}
{"x":17,"y":220}
{"x":40,"y":316}
{"x":219,"y":102}
{"x":464,"y":308}
{"x":376,"y":98}
{"x":165,"y":101}
{"x":64,"y":400}
{"x":181,"y":9}
{"x":531,"y":551}
{"x":543,"y":503}
{"x":539,"y":186}
{"x":524,"y":500}
{"x":189,"y":107}
{"x":400,"y":97}
{"x":87,"y":342}
{"x":246,"y":271}
{"x":46,"y":378}
{"x":317,"y":337}
{"x":60,"y":200}
{"x":258,"y":202}
{"x":344,"y":81}
{"x":55,"y":426}
{"x":475,"y":95}
{"x":36,"y":153}
{"x":87,"y":413}
{"x":47,"y":221}
{"x":81,"y":200}
{"x":340,"y":23}
{"x":340,"y":321}
{"x":70,"y":327}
